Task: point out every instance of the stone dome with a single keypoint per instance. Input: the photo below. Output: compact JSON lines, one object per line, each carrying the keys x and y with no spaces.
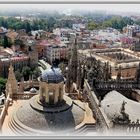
{"x":33,"y":118}
{"x":52,"y":75}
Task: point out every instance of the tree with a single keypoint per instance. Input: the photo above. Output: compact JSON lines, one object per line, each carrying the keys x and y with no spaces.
{"x":137,"y":22}
{"x":117,"y":22}
{"x":107,"y":24}
{"x":2,"y":84}
{"x":26,"y":71}
{"x":18,"y":75}
{"x":62,"y":66}
{"x":36,"y":73}
{"x":35,"y":25}
{"x":51,"y":22}
{"x":1,"y":21}
{"x":20,"y":43}
{"x":92,"y":25}
{"x":5,"y":43}
{"x":28,"y":27}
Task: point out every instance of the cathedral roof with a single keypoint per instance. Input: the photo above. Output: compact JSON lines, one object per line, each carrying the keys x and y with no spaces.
{"x":112,"y":104}
{"x":52,"y":75}
{"x":32,"y":117}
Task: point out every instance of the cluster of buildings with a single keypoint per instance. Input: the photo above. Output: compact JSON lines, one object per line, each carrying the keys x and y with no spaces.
{"x":18,"y":60}
{"x":101,"y":38}
{"x":22,"y":53}
{"x":132,"y":30}
{"x":102,"y":64}
{"x":81,"y":102}
{"x":117,"y":58}
{"x":52,"y":48}
{"x":57,"y":45}
{"x":113,"y":38}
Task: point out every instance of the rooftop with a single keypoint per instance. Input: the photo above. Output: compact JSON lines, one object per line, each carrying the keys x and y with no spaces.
{"x":112,"y":102}
{"x":3,"y":30}
{"x":30,"y":121}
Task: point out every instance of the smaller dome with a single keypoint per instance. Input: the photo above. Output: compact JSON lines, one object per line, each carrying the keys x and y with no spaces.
{"x":52,"y":75}
{"x":33,"y":90}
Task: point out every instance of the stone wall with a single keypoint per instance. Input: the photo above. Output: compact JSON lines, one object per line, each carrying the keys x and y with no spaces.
{"x":125,"y":72}
{"x":136,"y":95}
{"x":97,"y":111}
{"x":7,"y":103}
{"x":4,"y":111}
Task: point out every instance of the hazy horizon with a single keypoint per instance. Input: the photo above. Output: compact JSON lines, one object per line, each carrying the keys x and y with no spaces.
{"x":131,"y":8}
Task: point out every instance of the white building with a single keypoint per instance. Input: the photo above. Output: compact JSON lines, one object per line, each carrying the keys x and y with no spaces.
{"x":62,"y":32}
{"x":58,"y":52}
{"x":78,"y":27}
{"x":131,"y":30}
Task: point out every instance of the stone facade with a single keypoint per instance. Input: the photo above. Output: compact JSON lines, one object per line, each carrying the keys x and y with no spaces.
{"x":125,"y":72}
{"x":17,"y":62}
{"x":56,"y":52}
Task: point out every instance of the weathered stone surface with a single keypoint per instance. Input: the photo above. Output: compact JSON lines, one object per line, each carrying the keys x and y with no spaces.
{"x":59,"y":121}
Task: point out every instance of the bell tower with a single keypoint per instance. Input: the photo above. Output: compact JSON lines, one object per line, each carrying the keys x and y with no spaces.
{"x":33,"y":54}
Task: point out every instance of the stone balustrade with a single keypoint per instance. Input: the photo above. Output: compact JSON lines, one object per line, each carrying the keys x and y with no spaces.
{"x":24,"y":96}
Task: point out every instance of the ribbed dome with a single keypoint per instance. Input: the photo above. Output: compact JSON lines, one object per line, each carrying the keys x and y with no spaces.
{"x":52,"y":75}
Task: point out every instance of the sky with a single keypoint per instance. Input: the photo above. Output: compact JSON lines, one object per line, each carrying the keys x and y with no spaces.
{"x":69,"y":7}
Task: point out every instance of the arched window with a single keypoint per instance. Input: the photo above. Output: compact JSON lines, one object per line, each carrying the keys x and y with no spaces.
{"x":51,"y":97}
